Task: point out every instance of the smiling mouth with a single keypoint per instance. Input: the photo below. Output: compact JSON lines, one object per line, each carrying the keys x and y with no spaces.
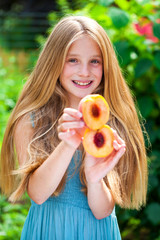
{"x":82,"y":83}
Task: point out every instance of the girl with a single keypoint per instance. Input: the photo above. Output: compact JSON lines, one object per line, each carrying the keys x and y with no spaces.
{"x":72,"y":193}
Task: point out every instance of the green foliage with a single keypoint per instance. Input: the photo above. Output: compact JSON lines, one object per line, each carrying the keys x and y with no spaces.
{"x":119,"y":17}
{"x":139,"y":58}
{"x":12,"y":217}
{"x":10,"y":85}
{"x":13,"y":73}
{"x":19,"y":31}
{"x":156,"y":59}
{"x":153,"y":213}
{"x":142,"y":66}
{"x":156,"y":30}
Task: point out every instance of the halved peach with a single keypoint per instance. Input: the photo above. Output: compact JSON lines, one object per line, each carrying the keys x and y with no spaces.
{"x":95,"y":111}
{"x":99,"y":143}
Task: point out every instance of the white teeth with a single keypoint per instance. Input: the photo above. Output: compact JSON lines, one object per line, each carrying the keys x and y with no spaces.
{"x":82,"y":83}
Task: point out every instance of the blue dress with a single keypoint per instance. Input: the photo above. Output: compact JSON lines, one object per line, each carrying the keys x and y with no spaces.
{"x":68,"y":216}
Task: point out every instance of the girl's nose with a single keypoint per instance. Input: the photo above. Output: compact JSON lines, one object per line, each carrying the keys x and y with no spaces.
{"x":84,"y":70}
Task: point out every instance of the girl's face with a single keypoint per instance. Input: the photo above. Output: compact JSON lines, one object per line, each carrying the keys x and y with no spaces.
{"x":83,"y":69}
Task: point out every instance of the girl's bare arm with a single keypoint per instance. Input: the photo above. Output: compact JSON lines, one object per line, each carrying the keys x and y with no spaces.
{"x":100,"y":198}
{"x":45,"y":179}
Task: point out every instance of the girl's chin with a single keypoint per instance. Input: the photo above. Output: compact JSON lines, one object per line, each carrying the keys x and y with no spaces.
{"x":79,"y":94}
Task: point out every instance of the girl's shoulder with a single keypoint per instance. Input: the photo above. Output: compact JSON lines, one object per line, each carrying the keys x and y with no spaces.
{"x":25,"y":123}
{"x":23,"y":135}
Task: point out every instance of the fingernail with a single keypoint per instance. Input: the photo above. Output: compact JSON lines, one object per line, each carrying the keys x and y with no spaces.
{"x":114,"y":130}
{"x":123,"y":149}
{"x":81,"y":124}
{"x":79,"y":114}
{"x":115,"y":145}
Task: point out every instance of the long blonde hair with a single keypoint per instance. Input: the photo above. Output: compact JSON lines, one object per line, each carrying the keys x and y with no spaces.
{"x":45,"y":99}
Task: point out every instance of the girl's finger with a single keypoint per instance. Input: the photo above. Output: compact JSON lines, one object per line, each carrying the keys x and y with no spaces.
{"x":70,"y":125}
{"x":113,"y":160}
{"x":117,"y":146}
{"x":64,"y":135}
{"x":117,"y":137}
{"x":73,"y":112}
{"x":120,"y":153}
{"x":65,"y":117}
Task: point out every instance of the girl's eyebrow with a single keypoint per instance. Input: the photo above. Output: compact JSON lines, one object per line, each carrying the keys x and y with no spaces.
{"x":76,"y":55}
{"x":72,"y":55}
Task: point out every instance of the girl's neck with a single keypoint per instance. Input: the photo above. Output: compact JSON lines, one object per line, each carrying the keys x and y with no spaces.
{"x":74,"y":103}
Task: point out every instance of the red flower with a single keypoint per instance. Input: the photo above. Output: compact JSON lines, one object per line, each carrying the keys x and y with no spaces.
{"x":145,"y":28}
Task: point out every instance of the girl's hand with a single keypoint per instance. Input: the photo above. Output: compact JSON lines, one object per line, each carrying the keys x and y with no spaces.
{"x":71,"y":127}
{"x":97,"y":168}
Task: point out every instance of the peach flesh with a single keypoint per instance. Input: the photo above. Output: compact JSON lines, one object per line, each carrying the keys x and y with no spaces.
{"x":99,"y":143}
{"x":95,"y":111}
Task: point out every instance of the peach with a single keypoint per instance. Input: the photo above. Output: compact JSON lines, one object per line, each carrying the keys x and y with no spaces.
{"x":99,"y":143}
{"x":95,"y":111}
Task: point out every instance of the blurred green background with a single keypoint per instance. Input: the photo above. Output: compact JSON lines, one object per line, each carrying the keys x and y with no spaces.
{"x":134,"y":29}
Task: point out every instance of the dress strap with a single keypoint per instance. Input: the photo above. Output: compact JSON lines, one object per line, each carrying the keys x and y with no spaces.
{"x":32,"y":117}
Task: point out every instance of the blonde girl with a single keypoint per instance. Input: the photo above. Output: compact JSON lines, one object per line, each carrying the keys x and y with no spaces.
{"x":72,"y":193}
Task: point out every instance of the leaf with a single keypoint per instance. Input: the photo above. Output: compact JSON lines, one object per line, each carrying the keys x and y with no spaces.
{"x":123,"y":4}
{"x":106,"y":3}
{"x":142,"y":66}
{"x":150,"y":130}
{"x":2,"y":234}
{"x":153,"y":182}
{"x":145,"y":105}
{"x":124,"y":52}
{"x":153,"y":213}
{"x":119,"y":17}
{"x":158,"y":133}
{"x":10,"y":103}
{"x":156,"y":30}
{"x":143,"y":2}
{"x":98,"y":8}
{"x":157,"y":59}
{"x":157,"y":85}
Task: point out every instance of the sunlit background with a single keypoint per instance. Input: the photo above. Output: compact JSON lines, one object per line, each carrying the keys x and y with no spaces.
{"x":134,"y":29}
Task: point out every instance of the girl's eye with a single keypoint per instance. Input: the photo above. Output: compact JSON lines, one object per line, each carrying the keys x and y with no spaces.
{"x":72,"y":60}
{"x":95,"y":61}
